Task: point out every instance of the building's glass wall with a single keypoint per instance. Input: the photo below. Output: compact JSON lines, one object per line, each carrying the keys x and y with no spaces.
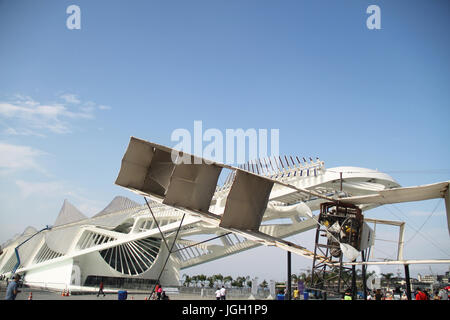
{"x":120,"y":283}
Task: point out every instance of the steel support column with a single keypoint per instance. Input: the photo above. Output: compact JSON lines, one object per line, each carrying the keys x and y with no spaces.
{"x":408,"y":282}
{"x":364,"y":280}
{"x":289,"y":276}
{"x":353,"y":282}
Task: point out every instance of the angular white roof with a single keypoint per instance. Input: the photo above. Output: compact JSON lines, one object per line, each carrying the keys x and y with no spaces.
{"x":119,"y":203}
{"x":68,"y":214}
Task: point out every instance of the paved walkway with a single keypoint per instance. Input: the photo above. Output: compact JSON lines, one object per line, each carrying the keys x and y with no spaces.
{"x":39,"y":294}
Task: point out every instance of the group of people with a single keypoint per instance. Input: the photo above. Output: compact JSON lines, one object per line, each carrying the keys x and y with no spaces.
{"x":221,"y":293}
{"x":418,"y":294}
{"x":159,"y":294}
{"x":396,"y":294}
{"x":440,"y":294}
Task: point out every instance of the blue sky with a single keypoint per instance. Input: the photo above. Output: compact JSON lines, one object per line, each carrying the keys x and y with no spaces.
{"x":312,"y":69}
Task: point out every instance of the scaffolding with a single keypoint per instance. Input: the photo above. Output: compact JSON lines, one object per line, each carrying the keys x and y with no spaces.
{"x":338,"y":224}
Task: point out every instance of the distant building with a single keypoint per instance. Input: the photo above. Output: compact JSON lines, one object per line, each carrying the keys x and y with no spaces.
{"x":442,"y":279}
{"x":427,"y":278}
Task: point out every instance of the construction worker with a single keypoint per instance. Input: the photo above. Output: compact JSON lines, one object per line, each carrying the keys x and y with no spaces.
{"x":348,"y":295}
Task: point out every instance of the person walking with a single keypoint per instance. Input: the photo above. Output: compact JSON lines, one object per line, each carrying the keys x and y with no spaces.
{"x":443,"y":294}
{"x":159,"y":292}
{"x":11,"y":290}
{"x":427,"y":294}
{"x":348,"y":294}
{"x":379,"y":295}
{"x":397,"y":294}
{"x":218,"y":293}
{"x":100,"y":289}
{"x":223,"y":293}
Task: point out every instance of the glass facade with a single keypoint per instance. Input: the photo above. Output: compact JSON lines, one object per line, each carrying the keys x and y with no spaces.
{"x":119,"y":282}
